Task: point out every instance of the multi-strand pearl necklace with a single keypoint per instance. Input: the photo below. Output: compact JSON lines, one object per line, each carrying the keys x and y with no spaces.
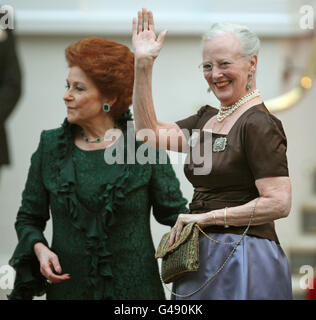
{"x":225,"y":111}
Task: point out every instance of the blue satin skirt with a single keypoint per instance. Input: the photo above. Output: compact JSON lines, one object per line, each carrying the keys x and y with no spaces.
{"x":258,"y":270}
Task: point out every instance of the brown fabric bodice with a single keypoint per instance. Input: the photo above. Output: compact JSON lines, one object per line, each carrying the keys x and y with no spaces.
{"x":255,"y":148}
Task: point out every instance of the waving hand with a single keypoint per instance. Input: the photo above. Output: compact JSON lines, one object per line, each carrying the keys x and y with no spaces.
{"x":146,"y":44}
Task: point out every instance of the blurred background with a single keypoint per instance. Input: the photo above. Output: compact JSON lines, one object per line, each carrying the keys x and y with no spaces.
{"x":286,"y":67}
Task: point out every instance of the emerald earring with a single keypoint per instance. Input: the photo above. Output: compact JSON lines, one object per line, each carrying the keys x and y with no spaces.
{"x":106,"y":107}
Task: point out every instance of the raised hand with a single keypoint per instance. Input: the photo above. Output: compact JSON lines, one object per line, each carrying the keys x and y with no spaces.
{"x":145,"y":43}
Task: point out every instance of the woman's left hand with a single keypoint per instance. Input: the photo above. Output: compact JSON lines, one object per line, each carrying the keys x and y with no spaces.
{"x":184,"y":219}
{"x":145,"y":42}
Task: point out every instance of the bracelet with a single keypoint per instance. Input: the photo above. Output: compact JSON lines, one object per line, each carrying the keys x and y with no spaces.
{"x":225,"y":222}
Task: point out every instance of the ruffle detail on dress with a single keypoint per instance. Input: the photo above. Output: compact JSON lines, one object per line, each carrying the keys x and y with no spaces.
{"x":95,"y":225}
{"x":29,"y":282}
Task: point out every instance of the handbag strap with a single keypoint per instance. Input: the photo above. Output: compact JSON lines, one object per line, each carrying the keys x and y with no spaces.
{"x":237,"y":243}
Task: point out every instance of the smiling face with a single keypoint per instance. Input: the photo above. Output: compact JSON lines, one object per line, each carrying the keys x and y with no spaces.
{"x":225,"y":70}
{"x":82,"y":98}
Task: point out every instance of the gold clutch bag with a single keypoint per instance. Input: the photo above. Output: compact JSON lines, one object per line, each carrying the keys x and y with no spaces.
{"x":182,"y":256}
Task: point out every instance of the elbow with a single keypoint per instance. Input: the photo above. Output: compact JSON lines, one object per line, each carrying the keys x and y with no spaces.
{"x":285,"y":210}
{"x":284,"y":206}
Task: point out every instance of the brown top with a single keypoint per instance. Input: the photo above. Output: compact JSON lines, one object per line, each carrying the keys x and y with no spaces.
{"x":255,"y":148}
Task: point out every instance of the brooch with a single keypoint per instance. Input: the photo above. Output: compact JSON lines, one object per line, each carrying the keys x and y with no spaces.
{"x":219,"y":144}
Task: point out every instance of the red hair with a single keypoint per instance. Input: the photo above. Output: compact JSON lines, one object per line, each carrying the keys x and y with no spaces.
{"x":110,"y":65}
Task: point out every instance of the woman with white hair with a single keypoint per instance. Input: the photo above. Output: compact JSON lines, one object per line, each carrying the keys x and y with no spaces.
{"x":247,"y":185}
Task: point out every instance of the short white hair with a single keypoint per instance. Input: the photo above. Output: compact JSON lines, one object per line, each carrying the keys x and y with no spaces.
{"x":250,"y":43}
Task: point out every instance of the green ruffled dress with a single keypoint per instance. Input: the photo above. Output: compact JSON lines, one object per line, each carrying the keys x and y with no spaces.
{"x":101,"y":221}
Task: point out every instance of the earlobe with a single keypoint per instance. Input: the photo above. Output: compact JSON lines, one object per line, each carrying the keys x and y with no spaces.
{"x":109,"y":101}
{"x":106,"y":107}
{"x":253,"y":63}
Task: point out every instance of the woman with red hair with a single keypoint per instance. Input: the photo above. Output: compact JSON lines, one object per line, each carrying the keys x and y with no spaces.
{"x":102,"y":246}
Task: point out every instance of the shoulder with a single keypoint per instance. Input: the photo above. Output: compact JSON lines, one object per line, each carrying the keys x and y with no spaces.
{"x":51,"y":137}
{"x":257,"y":117}
{"x":57,"y":138}
{"x":202,"y":111}
{"x":192,"y":122}
{"x":207,"y":110}
{"x":261,"y":115}
{"x":260,"y":120}
{"x":51,"y":134}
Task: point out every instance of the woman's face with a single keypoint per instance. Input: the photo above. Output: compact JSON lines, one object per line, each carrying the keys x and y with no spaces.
{"x":82,"y":98}
{"x":225,"y":70}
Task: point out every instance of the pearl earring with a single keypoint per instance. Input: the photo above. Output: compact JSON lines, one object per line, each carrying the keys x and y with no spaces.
{"x":106,"y":107}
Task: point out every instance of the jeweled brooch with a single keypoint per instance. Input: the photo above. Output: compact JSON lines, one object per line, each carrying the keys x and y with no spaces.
{"x":219,"y":144}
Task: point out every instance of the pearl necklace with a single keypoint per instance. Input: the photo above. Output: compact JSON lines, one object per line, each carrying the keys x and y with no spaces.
{"x":225,"y":111}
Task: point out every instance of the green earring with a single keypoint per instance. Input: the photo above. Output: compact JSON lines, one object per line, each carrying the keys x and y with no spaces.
{"x":106,"y":107}
{"x":249,"y":84}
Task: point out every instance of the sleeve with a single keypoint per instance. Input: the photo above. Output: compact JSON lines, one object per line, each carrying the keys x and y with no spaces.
{"x":10,"y":79}
{"x":166,"y":196}
{"x":265,"y":146}
{"x":190,"y":123}
{"x":30,"y":224}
